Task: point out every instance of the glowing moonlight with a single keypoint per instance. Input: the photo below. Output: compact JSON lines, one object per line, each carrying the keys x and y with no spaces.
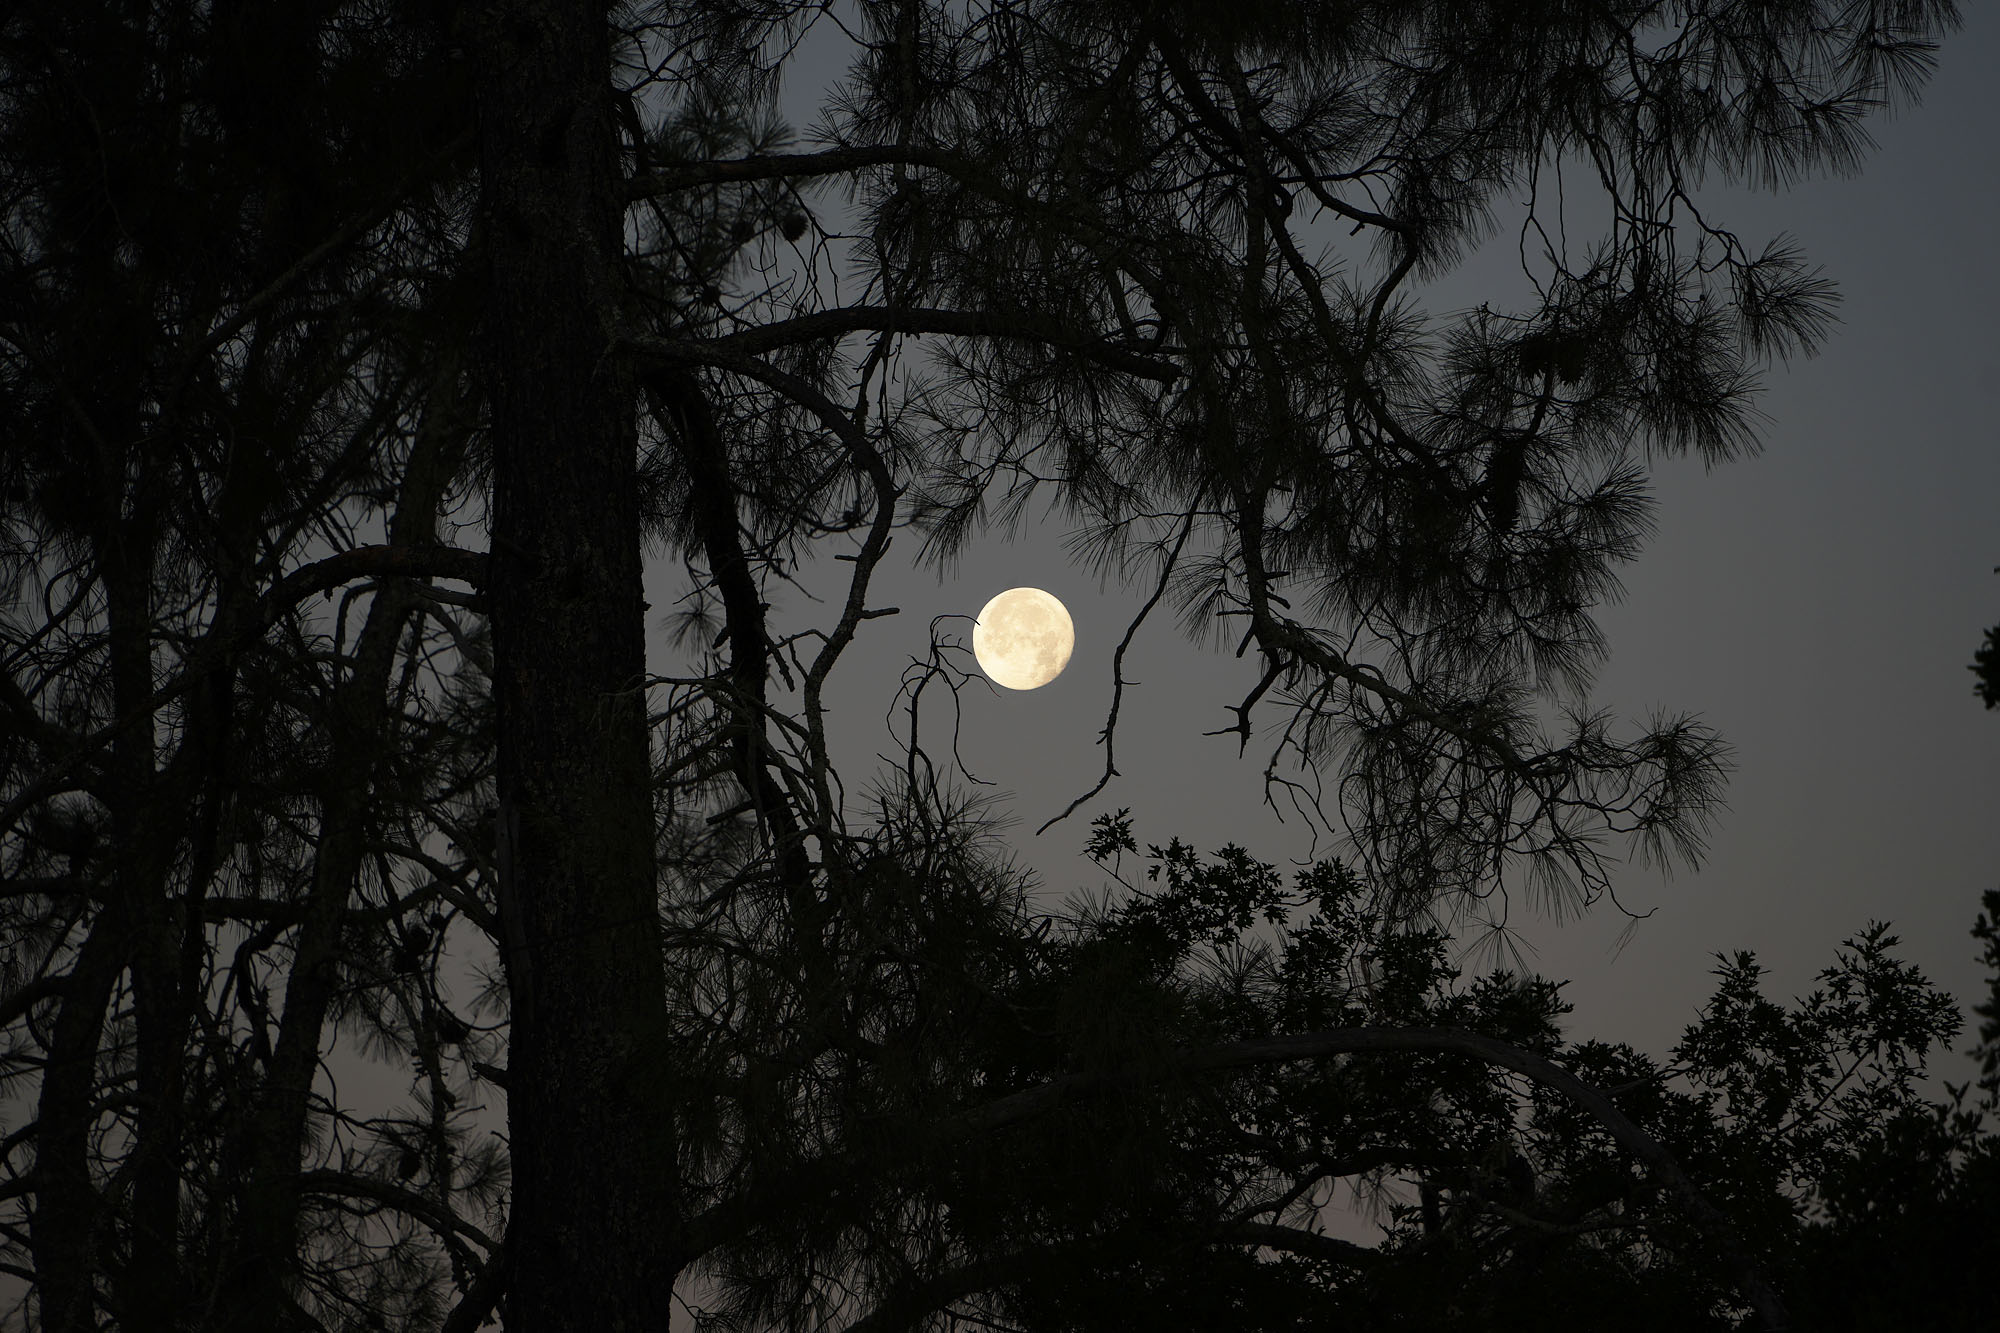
{"x":1023,"y":639}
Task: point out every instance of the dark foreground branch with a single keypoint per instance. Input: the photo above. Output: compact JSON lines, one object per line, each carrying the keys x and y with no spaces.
{"x":907,"y":1307}
{"x":846,"y":320}
{"x":737,"y":1215}
{"x":1770,"y":1309}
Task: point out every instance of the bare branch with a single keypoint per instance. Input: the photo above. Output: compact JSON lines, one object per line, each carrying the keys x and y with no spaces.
{"x":847,"y":320}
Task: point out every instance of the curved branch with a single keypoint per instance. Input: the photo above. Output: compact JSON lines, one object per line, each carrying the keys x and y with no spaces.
{"x":389,"y":561}
{"x":680,"y":405}
{"x":404,"y":562}
{"x":900,"y":319}
{"x":344,"y":1185}
{"x":25,"y":997}
{"x":866,"y":460}
{"x":1108,"y":737}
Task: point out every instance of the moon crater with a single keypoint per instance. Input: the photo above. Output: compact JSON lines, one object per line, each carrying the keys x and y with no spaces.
{"x":1023,"y":638}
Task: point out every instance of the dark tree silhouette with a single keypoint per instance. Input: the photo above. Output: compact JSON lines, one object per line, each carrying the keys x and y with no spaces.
{"x":231,"y":334}
{"x":1986,"y":666}
{"x":313,"y":317}
{"x":593,"y":1237}
{"x":1509,"y":1204}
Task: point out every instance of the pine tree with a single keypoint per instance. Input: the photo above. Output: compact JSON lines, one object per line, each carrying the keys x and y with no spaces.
{"x":288,"y":293}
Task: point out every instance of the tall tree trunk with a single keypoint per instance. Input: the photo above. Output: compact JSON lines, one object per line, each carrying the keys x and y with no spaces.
{"x":595,"y":1207}
{"x":147,"y":1284}
{"x":150,"y":1288}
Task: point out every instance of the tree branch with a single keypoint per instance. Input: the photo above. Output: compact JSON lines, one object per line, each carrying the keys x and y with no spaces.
{"x":27,"y":996}
{"x":897,"y":319}
{"x":1294,"y":1240}
{"x":407,"y":562}
{"x":322,"y":575}
{"x":345,"y":1185}
{"x":785,"y":166}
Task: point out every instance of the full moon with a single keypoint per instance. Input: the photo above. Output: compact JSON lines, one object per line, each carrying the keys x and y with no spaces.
{"x":1023,"y":638}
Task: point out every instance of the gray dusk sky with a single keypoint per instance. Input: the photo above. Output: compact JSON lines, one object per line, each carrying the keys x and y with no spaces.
{"x":1817,"y":603}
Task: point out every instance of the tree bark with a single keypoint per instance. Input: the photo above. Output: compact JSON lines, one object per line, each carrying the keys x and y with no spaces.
{"x":143,"y":814}
{"x":595,"y":1209}
{"x":66,"y":1221}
